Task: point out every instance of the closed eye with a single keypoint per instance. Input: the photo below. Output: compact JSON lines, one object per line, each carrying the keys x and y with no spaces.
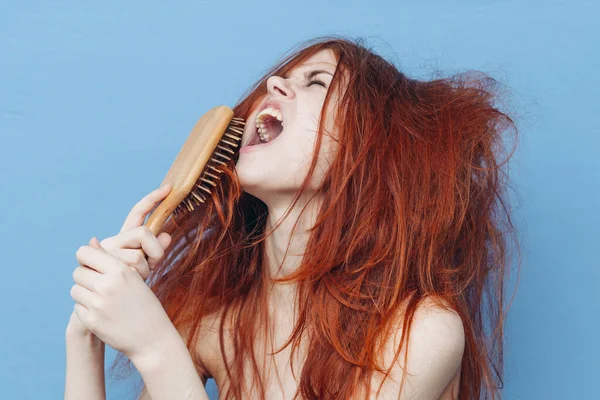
{"x":310,"y":75}
{"x":317,"y":82}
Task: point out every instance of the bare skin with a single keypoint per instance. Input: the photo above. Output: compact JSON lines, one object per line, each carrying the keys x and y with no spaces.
{"x":273,"y":174}
{"x":282,"y":316}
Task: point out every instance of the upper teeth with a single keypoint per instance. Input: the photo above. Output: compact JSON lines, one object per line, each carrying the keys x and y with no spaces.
{"x":262,"y":130}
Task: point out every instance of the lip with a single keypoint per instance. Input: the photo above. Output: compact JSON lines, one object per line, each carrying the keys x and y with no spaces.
{"x":245,"y":149}
{"x":271,"y":103}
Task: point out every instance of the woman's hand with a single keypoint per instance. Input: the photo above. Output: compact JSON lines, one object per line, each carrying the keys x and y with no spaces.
{"x":133,"y":236}
{"x":116,"y":305}
{"x":126,"y":247}
{"x":75,"y":327}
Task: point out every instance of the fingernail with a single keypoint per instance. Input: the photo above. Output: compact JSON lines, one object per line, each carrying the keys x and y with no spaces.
{"x":164,"y":185}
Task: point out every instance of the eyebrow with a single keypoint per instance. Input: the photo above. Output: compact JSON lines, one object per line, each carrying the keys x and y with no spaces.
{"x":309,"y":75}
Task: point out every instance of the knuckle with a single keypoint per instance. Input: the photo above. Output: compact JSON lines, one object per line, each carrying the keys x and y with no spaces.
{"x":107,"y":243}
{"x":139,"y":258}
{"x":92,"y":321}
{"x":144,"y":269}
{"x":138,"y":204}
{"x":103,"y":287}
{"x":97,"y":303}
{"x":144,"y":232}
{"x":107,"y":290}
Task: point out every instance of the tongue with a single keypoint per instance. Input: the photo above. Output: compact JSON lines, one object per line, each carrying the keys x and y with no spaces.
{"x":273,"y":126}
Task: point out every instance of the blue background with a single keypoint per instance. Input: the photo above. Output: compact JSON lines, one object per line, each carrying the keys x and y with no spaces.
{"x":96,"y":99}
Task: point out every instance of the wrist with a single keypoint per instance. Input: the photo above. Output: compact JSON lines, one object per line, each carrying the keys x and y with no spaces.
{"x":169,"y":371}
{"x":167,"y":347}
{"x":82,"y":339}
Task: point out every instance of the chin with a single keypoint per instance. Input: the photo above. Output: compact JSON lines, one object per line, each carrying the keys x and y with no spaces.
{"x":250,"y":181}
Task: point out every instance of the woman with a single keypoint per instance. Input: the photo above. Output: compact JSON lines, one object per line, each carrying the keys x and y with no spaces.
{"x":347,"y":257}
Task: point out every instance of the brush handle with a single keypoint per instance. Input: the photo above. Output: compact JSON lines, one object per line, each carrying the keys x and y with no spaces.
{"x":194,"y":155}
{"x":159,"y":216}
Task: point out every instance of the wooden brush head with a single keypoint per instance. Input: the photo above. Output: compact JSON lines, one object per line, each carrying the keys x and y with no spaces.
{"x":211,"y":143}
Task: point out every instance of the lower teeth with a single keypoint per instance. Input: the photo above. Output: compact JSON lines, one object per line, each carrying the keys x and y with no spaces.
{"x":264,"y":138}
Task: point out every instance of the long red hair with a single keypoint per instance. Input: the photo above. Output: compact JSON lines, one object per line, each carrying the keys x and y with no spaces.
{"x":414,"y":206}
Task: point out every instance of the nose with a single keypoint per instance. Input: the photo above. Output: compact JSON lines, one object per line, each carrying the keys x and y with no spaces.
{"x":277,"y":86}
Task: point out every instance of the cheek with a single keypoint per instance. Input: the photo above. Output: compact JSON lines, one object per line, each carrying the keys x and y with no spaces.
{"x":328,"y":152}
{"x":302,"y":145}
{"x":330,"y":141}
{"x":296,"y":155}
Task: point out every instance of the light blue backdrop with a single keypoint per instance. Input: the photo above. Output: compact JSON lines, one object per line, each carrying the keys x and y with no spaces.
{"x":89,"y":92}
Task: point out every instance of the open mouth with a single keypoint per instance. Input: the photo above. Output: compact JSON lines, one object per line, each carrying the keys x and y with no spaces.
{"x":267,"y":129}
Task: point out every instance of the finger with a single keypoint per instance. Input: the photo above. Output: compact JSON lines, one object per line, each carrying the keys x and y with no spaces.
{"x":82,"y":295}
{"x":79,"y":310}
{"x":135,"y":259}
{"x":143,"y":207}
{"x":98,"y":259}
{"x":165,"y":240}
{"x":94,"y":242}
{"x":85,"y":277}
{"x":141,"y":237}
{"x":82,"y":313}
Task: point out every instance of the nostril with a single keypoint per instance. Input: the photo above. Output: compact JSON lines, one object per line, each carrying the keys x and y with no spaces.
{"x":280,"y":91}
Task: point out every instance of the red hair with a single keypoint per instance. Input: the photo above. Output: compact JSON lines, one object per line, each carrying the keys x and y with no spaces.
{"x":414,"y":207}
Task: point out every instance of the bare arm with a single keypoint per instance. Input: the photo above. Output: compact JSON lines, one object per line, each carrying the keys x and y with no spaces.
{"x":146,"y":396}
{"x":200,"y":368}
{"x":169,"y":372}
{"x":85,"y":368}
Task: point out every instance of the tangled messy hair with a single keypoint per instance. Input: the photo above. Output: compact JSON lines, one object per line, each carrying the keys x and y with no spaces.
{"x":414,"y":207}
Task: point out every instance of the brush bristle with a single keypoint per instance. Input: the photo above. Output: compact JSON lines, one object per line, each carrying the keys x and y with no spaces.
{"x":224,"y":152}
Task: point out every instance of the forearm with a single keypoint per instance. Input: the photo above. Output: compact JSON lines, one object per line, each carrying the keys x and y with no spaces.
{"x":169,"y":372}
{"x":85,"y":368}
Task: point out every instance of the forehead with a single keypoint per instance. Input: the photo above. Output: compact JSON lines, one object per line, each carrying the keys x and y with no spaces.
{"x":324,"y":59}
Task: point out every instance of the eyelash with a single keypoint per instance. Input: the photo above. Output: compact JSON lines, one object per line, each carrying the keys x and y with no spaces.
{"x":311,"y":82}
{"x":316,"y":81}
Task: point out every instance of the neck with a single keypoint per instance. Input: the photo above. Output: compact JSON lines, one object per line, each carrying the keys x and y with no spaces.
{"x":277,"y":242}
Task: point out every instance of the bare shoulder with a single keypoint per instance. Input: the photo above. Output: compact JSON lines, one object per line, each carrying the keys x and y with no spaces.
{"x":438,"y":321}
{"x":435,"y":350}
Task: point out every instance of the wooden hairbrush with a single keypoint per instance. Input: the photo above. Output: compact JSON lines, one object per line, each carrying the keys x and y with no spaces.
{"x":214,"y":140}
